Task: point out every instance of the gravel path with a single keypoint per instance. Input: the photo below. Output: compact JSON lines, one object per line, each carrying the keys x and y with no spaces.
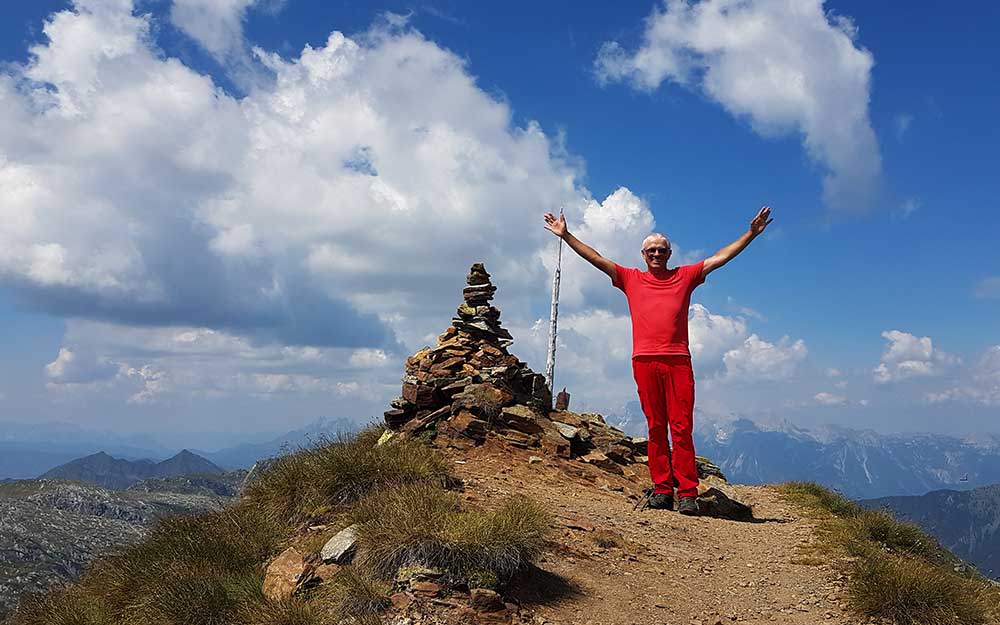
{"x":611,"y":565}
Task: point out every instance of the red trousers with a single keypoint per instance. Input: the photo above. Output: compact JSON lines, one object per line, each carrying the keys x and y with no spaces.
{"x":666,"y":392}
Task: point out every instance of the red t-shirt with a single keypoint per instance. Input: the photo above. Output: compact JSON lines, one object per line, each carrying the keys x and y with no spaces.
{"x":659,"y":308}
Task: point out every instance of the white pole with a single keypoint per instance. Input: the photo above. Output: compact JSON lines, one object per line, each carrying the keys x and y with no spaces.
{"x":550,"y":362}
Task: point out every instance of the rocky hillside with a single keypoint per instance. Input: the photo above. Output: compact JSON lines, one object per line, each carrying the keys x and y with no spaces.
{"x":966,"y":522}
{"x":117,"y":474}
{"x":51,"y":530}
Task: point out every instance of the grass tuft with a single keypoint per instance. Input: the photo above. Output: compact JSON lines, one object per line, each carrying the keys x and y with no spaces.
{"x":357,"y":596}
{"x":907,"y":590}
{"x":896,"y":571}
{"x":294,"y":611}
{"x":818,"y":498}
{"x":65,"y":606}
{"x":307,"y":482}
{"x":420,"y":524}
{"x":880,"y":527}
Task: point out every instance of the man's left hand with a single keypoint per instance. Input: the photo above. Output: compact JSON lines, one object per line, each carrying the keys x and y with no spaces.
{"x":760,"y":222}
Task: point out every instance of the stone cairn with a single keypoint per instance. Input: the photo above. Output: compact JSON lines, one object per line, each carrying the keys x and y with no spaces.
{"x":469,"y":387}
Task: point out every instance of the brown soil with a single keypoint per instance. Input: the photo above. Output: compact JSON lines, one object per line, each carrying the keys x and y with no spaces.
{"x":609,"y":564}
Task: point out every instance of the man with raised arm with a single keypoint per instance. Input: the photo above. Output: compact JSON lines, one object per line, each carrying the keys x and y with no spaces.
{"x":658,"y":301}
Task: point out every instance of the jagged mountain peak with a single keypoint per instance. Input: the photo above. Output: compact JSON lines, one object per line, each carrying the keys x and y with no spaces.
{"x":117,"y":473}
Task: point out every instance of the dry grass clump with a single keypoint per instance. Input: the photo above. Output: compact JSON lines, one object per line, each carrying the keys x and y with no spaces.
{"x":818,"y":498}
{"x":356,"y":596}
{"x":294,"y":611}
{"x":896,"y":571}
{"x":907,"y":590}
{"x":421,"y":524}
{"x":195,"y":570}
{"x":66,"y":606}
{"x":881,"y":528}
{"x":332,"y":473}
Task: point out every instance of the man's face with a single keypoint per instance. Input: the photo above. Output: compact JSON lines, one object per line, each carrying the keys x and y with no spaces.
{"x":656,"y":252}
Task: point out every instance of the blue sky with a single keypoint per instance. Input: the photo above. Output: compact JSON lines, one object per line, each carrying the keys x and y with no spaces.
{"x":192,"y":250}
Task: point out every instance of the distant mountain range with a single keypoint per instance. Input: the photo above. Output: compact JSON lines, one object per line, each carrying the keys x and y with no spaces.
{"x":30,"y":450}
{"x":966,"y":522}
{"x":858,"y":463}
{"x":118,"y":474}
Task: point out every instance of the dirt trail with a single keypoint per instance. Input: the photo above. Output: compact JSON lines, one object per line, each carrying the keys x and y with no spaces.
{"x":665,"y":568}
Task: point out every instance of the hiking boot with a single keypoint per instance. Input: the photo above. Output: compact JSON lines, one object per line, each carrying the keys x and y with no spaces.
{"x":688,"y":506}
{"x":661,"y":501}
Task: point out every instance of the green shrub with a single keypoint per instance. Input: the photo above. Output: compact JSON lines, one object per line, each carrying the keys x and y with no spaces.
{"x":426,"y":525}
{"x":331,"y":473}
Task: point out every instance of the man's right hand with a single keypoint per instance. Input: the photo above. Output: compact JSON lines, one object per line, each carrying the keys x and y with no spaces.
{"x":556,"y":225}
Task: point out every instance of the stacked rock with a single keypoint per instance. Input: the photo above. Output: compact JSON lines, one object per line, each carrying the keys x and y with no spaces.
{"x":472,"y":350}
{"x":475,"y":315}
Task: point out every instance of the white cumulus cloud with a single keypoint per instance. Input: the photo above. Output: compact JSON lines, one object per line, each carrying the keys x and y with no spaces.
{"x":787,"y":66}
{"x":71,"y":367}
{"x":757,"y":359}
{"x":909,"y":356}
{"x":338,"y":205}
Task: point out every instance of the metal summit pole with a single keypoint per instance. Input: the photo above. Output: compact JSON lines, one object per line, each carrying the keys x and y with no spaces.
{"x":550,"y":362}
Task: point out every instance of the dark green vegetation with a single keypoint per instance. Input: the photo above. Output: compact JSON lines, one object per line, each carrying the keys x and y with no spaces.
{"x":209,"y":569}
{"x":896,"y":570}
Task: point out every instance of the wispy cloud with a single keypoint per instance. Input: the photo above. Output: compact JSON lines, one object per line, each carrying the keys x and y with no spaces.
{"x":988,"y":288}
{"x":908,"y":207}
{"x":901,"y":123}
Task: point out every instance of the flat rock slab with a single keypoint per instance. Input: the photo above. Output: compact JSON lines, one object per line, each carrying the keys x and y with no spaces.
{"x":340,"y":548}
{"x":568,"y":431}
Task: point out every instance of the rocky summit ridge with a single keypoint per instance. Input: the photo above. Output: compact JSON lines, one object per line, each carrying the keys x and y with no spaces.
{"x":469,"y":388}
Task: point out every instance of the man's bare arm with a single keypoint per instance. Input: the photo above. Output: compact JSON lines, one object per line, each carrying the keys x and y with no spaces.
{"x":729,"y":252}
{"x":557,"y":226}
